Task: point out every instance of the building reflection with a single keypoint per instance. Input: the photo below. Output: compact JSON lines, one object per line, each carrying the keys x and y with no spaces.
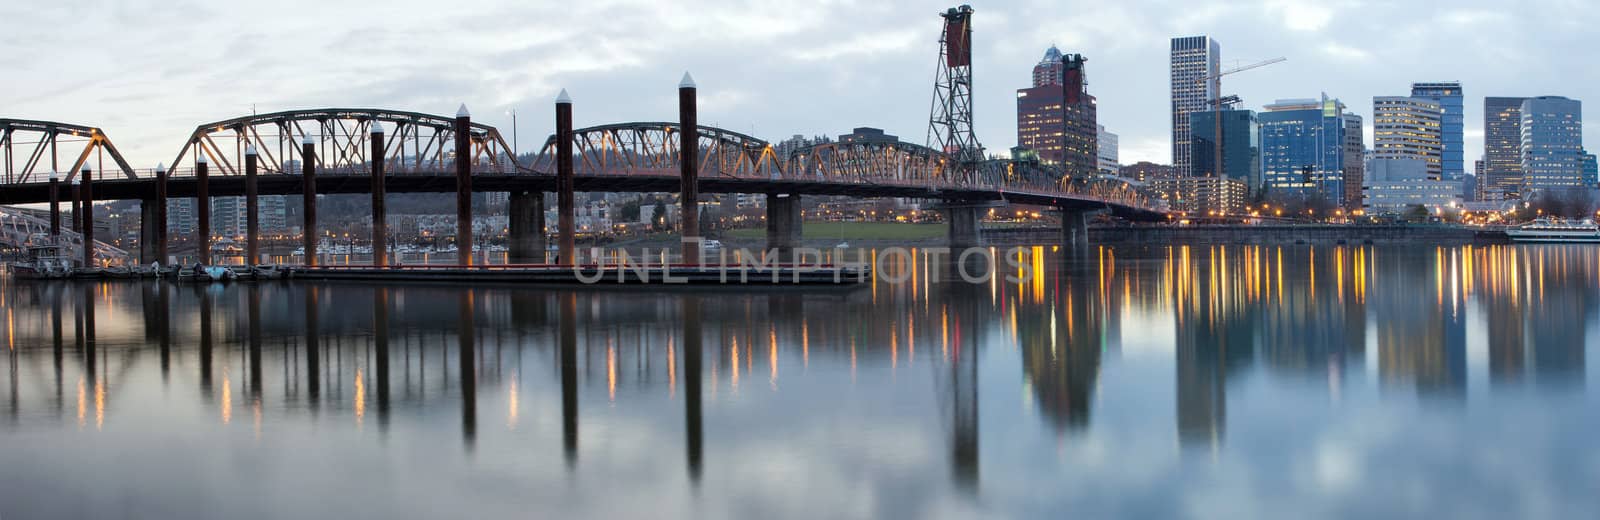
{"x":325,"y":352}
{"x":1062,"y":342}
{"x":1420,"y":327}
{"x":1536,"y":303}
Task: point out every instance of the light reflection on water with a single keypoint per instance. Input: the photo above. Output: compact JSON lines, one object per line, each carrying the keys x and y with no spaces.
{"x":1159,"y":382}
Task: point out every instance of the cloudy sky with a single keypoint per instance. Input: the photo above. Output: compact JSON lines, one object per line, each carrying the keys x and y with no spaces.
{"x":148,"y":72}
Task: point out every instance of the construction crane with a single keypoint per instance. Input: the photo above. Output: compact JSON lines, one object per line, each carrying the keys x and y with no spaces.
{"x":1217,"y":103}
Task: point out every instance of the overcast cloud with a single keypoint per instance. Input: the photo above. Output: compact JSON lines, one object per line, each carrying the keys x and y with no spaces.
{"x":149,"y":72}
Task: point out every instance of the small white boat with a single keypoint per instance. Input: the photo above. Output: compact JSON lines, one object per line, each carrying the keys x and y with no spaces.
{"x":1551,"y":230}
{"x":218,"y":273}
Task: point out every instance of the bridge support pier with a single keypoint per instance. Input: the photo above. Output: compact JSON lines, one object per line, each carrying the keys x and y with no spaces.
{"x":308,"y":205}
{"x":77,"y":212}
{"x":159,"y":231}
{"x":1074,"y":228}
{"x":252,"y":209}
{"x":784,"y":224}
{"x":55,"y":206}
{"x":463,"y":135}
{"x":88,"y":217}
{"x":380,"y":222}
{"x":688,"y":169}
{"x":202,"y":210}
{"x":526,"y":229}
{"x":149,"y":221}
{"x":566,"y":232}
{"x":963,"y":221}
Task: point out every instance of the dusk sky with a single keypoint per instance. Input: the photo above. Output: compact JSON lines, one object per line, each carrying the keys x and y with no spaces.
{"x":149,"y":72}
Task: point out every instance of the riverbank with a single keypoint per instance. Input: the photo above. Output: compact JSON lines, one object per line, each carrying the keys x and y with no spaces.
{"x":1328,"y":234}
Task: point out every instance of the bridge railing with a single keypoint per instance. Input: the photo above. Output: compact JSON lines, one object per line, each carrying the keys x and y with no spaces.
{"x":390,"y":169}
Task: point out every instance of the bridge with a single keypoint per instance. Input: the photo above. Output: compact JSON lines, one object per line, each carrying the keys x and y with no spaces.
{"x":377,"y":151}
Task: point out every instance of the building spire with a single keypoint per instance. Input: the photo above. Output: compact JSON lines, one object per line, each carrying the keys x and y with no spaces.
{"x":1051,"y":55}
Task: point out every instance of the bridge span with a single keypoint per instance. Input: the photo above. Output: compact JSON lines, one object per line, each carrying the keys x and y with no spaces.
{"x":377,"y":151}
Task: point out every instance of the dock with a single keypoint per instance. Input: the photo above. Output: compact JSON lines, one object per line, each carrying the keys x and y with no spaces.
{"x":552,"y":274}
{"x":533,"y":274}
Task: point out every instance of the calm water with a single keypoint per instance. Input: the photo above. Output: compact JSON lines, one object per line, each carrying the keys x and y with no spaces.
{"x":1157,"y":383}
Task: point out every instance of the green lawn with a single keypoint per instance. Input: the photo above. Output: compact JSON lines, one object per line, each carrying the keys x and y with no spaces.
{"x":853,"y":231}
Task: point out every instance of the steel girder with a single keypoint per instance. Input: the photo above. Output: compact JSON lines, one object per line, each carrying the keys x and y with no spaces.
{"x":46,"y":139}
{"x":874,"y":163}
{"x":414,"y":143}
{"x":1032,"y":177}
{"x":651,"y":148}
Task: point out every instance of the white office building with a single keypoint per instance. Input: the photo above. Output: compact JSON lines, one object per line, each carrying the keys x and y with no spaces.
{"x":1107,"y":151}
{"x":1393,"y":186}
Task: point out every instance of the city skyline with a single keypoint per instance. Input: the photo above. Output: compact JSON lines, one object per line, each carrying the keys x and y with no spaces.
{"x":848,"y":56}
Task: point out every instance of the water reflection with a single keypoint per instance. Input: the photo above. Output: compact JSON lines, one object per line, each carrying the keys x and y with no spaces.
{"x":842,"y":381}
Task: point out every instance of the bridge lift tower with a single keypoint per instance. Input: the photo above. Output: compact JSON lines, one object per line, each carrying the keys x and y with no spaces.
{"x":950,"y":123}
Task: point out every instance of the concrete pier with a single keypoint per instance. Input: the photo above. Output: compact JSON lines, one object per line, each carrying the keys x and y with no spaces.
{"x":1075,"y":228}
{"x":526,"y":227}
{"x":784,"y":223}
{"x":964,"y":230}
{"x":148,"y":220}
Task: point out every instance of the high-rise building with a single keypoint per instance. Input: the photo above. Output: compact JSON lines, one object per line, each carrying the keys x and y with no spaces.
{"x":1452,"y":123}
{"x":229,"y":217}
{"x":1552,"y":143}
{"x":1049,"y":71}
{"x":1355,"y":167}
{"x":1241,"y":152}
{"x":1107,"y":151}
{"x":1408,"y":128}
{"x":1056,"y":117}
{"x":1591,"y":171}
{"x":1479,"y":179}
{"x":1502,"y":148}
{"x":1302,"y":148}
{"x":1194,"y":58}
{"x":180,"y":217}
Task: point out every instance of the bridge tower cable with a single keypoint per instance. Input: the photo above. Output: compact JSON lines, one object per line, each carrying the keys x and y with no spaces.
{"x":950,"y":121}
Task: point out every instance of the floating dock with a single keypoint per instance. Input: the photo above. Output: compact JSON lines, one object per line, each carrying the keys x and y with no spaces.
{"x":673,"y":274}
{"x":546,"y":274}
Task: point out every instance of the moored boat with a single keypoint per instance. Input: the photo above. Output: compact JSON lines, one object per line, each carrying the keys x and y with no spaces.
{"x":1550,"y":230}
{"x":45,"y":260}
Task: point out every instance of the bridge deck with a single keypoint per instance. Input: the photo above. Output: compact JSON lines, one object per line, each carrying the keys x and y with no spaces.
{"x":286,"y":184}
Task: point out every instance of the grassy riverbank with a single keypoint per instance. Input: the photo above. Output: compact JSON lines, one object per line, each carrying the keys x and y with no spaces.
{"x":851,"y":231}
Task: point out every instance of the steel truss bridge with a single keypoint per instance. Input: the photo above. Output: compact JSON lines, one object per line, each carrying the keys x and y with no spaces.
{"x":420,"y":157}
